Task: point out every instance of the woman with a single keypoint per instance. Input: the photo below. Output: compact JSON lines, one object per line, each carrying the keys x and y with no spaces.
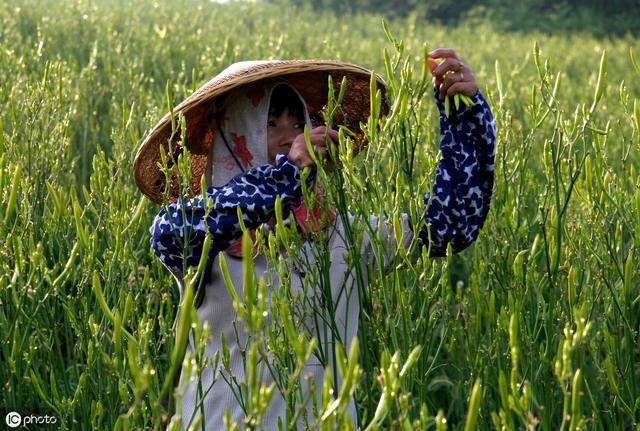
{"x":256,"y":153}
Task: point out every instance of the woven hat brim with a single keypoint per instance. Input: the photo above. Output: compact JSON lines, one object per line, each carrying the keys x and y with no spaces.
{"x":308,"y":76}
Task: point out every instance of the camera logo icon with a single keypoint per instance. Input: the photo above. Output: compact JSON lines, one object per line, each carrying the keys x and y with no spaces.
{"x":13,"y":419}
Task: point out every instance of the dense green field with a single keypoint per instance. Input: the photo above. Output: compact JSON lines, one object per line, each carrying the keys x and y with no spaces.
{"x":542,"y":314}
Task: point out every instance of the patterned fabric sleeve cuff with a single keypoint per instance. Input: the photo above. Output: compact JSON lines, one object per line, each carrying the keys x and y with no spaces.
{"x":456,"y":116}
{"x":291,"y":171}
{"x":183,"y":225}
{"x":287,"y":167}
{"x":462,"y":189}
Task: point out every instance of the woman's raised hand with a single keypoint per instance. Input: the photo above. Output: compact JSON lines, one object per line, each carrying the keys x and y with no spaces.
{"x":451,"y":76}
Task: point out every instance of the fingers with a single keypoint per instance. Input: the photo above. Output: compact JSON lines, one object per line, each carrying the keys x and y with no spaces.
{"x":443,"y":53}
{"x":320,"y":151}
{"x":458,"y":82}
{"x":432,"y":64}
{"x":323,"y":130}
{"x":334,"y":136}
{"x":451,"y":63}
{"x":466,"y":88}
{"x":448,"y":65}
{"x":449,"y":80}
{"x":322,"y":136}
{"x":320,"y":139}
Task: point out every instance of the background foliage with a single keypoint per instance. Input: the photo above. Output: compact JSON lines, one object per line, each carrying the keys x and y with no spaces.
{"x":598,"y":17}
{"x":543,"y":310}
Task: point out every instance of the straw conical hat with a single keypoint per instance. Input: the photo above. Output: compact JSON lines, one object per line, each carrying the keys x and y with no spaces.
{"x":309,"y":77}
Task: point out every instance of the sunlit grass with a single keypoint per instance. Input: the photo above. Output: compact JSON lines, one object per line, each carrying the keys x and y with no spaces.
{"x":535,"y":325}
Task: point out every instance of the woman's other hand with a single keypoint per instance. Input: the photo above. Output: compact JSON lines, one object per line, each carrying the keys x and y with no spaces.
{"x":321,"y":138}
{"x":451,"y":76}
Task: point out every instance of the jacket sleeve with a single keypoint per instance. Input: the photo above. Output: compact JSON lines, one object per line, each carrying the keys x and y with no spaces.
{"x":458,"y":204}
{"x":179,"y":230}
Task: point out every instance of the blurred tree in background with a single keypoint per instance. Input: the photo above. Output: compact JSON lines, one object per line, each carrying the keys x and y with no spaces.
{"x":599,"y":17}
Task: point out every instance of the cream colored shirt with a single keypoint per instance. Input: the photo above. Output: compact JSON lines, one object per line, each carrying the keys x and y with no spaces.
{"x":217,"y":309}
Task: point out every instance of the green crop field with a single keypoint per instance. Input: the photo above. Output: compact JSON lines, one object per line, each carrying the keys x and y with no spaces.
{"x":535,"y":326}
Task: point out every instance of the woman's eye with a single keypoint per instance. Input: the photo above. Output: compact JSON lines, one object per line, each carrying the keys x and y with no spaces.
{"x":271,"y":123}
{"x":299,"y":125}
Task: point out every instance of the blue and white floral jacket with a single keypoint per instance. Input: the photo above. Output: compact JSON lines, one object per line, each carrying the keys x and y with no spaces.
{"x":453,"y":215}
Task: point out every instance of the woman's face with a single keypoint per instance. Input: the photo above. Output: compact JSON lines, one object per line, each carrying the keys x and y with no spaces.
{"x":281,"y":131}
